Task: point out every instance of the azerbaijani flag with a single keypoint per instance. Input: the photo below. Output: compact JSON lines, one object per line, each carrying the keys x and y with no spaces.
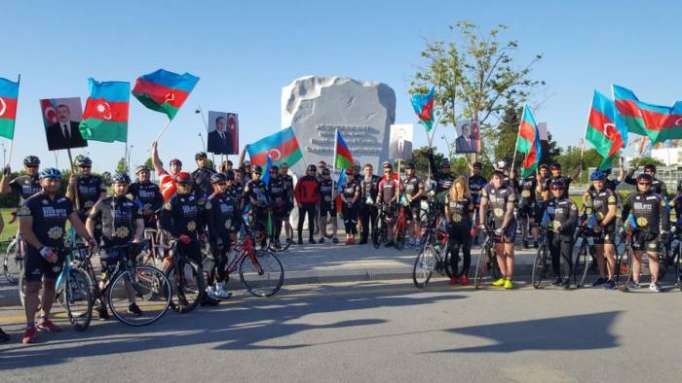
{"x":281,"y":147}
{"x":106,"y":111}
{"x":528,"y":142}
{"x":9,"y":93}
{"x":659,"y":123}
{"x":604,"y":130}
{"x":164,"y":91}
{"x":343,"y":159}
{"x":423,"y":107}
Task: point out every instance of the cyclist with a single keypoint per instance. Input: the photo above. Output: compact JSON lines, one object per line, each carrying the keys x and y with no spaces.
{"x":221,"y":216}
{"x":202,"y":176}
{"x":328,"y":207}
{"x":657,"y":186}
{"x":289,"y":186}
{"x":166,"y":178}
{"x":147,"y":195}
{"x":555,"y":169}
{"x":42,"y":218}
{"x":350,"y":198}
{"x":601,"y":202}
{"x":498,"y":199}
{"x":441,"y":175}
{"x":256,"y":196}
{"x":307,"y":194}
{"x":651,"y":226}
{"x":368,"y":195}
{"x":85,"y":188}
{"x":182,"y":219}
{"x":278,"y":196}
{"x":476,"y":183}
{"x":414,"y":194}
{"x":459,"y":207}
{"x":676,"y":207}
{"x":121,"y":222}
{"x":526,"y":207}
{"x":562,"y":215}
{"x":387,"y":200}
{"x":25,"y":185}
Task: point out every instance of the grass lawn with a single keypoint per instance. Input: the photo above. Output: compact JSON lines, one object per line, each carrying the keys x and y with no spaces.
{"x":10,"y":228}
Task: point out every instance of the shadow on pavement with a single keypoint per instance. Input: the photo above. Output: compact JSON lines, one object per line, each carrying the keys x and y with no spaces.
{"x":576,"y":332}
{"x":252,"y":324}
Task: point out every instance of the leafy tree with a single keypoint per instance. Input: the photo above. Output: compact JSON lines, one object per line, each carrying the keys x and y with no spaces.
{"x":550,"y":150}
{"x":122,"y":166}
{"x":474,"y":76}
{"x":421,"y":161}
{"x":641,"y":161}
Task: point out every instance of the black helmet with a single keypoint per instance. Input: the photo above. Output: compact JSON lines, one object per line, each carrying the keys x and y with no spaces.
{"x":200,"y":155}
{"x":217,"y":177}
{"x":645,"y":178}
{"x":274,"y":168}
{"x":83,"y":161}
{"x":387,"y":165}
{"x":119,"y":177}
{"x":445,"y":163}
{"x":31,"y":161}
{"x":555,"y":165}
{"x":409,"y":165}
{"x":142,"y":168}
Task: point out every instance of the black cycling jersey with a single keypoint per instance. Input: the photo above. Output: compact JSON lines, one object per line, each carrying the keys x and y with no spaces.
{"x":182,"y":214}
{"x":501,"y":202}
{"x":649,"y":212}
{"x":460,"y":211}
{"x":256,"y":193}
{"x":566,"y":181}
{"x":563,"y":216}
{"x":527,"y":191}
{"x":599,"y":202}
{"x":326,"y":187}
{"x":349,"y":191}
{"x":412,"y":185}
{"x":278,"y":193}
{"x":49,"y":217}
{"x":117,"y":217}
{"x":202,"y":181}
{"x":89,"y":189}
{"x":222,"y":217}
{"x":146,"y":194}
{"x":25,"y":186}
{"x":476,"y":184}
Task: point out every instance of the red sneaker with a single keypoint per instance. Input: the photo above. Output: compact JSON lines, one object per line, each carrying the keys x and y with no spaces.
{"x":464,"y":280}
{"x":350,"y":241}
{"x":29,"y":335}
{"x":47,"y":325}
{"x":453,"y":281}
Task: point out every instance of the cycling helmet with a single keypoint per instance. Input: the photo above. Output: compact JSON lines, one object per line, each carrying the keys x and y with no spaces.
{"x":176,"y":161}
{"x":200,"y":155}
{"x":410,"y":165}
{"x":445,"y":163}
{"x":597,"y":175}
{"x":387,"y":165}
{"x":258,"y":169}
{"x":312,"y":168}
{"x":119,"y":177}
{"x":83,"y":161}
{"x":554,"y":166}
{"x":645,"y":178}
{"x":50,"y":173}
{"x":31,"y":161}
{"x":142,"y":168}
{"x":183,"y":178}
{"x":274,"y":168}
{"x":218,"y":177}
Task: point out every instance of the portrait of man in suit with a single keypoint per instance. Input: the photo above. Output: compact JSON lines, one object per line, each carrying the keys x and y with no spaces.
{"x":400,"y":141}
{"x":219,"y":140}
{"x":64,"y":133}
{"x":467,"y":141}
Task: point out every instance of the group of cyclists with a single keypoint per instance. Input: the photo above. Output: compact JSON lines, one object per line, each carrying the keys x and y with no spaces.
{"x":209,"y":206}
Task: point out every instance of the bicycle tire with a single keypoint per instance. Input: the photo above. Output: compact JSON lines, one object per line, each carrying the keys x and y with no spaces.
{"x":377,"y":235}
{"x":483,"y":257}
{"x":266,"y":264}
{"x":424,"y":265}
{"x":188,"y":290}
{"x":581,"y":264}
{"x":77,"y":298}
{"x":539,"y":271}
{"x":153,"y":295}
{"x":12,"y":264}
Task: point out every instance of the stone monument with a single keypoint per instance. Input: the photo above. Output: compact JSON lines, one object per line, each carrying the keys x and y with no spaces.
{"x":363,"y":111}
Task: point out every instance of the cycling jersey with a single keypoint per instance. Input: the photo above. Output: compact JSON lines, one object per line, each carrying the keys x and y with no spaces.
{"x":388,"y":188}
{"x":676,"y":206}
{"x":222,"y":216}
{"x":117,"y":217}
{"x":599,"y":202}
{"x":49,"y":217}
{"x":527,"y":192}
{"x":326,"y":187}
{"x":147,"y":195}
{"x":459,"y":212}
{"x":278,"y":195}
{"x":649,"y":212}
{"x":25,"y":186}
{"x":476,"y":184}
{"x":501,"y":203}
{"x":412,"y":186}
{"x":350,"y":190}
{"x":182,"y":214}
{"x":89,"y":189}
{"x":256,"y":192}
{"x":563,"y":216}
{"x":202,"y":181}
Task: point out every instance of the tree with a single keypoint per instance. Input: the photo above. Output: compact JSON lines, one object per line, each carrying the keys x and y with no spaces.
{"x":506,"y":132}
{"x":421,"y":162}
{"x":122,"y":166}
{"x":474,"y":77}
{"x":641,"y":161}
{"x":550,"y":150}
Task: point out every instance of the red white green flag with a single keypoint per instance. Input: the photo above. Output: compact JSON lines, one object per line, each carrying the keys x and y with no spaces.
{"x":528,"y":142}
{"x":9,"y":93}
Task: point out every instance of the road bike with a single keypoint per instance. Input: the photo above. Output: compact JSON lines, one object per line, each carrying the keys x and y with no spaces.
{"x":542,"y":268}
{"x":486,"y":264}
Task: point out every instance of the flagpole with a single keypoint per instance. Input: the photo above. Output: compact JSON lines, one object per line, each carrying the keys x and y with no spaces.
{"x":336,"y":135}
{"x":518,"y":131}
{"x":163,"y":130}
{"x":11,"y":142}
{"x":73,"y":173}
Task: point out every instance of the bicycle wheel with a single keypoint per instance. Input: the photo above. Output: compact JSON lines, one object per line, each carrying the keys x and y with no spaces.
{"x":480,"y":264}
{"x":187,"y":280}
{"x":149,"y":288}
{"x":423,"y":267}
{"x":539,"y":272}
{"x":263,"y":274}
{"x":378,"y":234}
{"x":582,"y":263}
{"x":13,"y":263}
{"x":77,"y":299}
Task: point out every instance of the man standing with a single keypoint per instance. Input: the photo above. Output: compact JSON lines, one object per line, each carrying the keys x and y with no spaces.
{"x":147,"y":195}
{"x":64,"y":134}
{"x":85,"y":189}
{"x":307,"y":194}
{"x":202,"y":176}
{"x":369,"y":187}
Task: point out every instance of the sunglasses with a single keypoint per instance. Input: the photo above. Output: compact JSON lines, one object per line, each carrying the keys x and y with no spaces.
{"x":644,"y":183}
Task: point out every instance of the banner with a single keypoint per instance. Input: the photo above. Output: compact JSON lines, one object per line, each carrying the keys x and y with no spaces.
{"x":223,"y":133}
{"x":61,"y":117}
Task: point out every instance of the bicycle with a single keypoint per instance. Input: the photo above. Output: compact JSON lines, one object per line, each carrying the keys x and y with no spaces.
{"x":147,"y":285}
{"x":400,"y":228}
{"x":429,"y":258}
{"x":187,"y":277}
{"x":273,"y":244}
{"x":584,"y":256}
{"x":13,"y":261}
{"x":542,"y":263}
{"x":380,"y":232}
{"x":676,"y":258}
{"x":486,"y":264}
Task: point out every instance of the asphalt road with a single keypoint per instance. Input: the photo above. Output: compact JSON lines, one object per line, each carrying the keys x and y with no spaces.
{"x":375,"y":331}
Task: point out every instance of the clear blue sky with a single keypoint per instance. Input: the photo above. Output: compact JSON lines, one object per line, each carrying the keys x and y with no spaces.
{"x":245,"y":52}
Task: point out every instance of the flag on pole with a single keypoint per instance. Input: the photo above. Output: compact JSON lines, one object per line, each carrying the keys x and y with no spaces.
{"x":164,"y":91}
{"x":423,"y":107}
{"x":343,"y":159}
{"x":659,"y":123}
{"x":9,"y":93}
{"x":528,"y":142}
{"x":281,"y":147}
{"x":106,"y":111}
{"x":603,"y":129}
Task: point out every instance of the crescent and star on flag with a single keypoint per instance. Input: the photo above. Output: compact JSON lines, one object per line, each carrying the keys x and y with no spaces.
{"x":3,"y":107}
{"x":104,"y":109}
